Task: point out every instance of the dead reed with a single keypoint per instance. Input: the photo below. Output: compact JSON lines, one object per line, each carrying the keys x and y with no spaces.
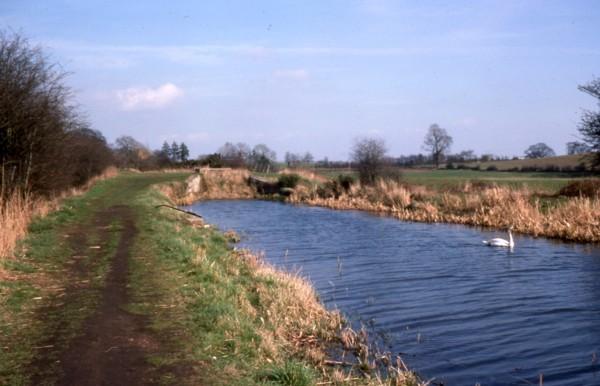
{"x":294,"y":317}
{"x":576,"y":219}
{"x":17,"y":211}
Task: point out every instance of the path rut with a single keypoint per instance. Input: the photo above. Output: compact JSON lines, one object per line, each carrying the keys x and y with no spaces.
{"x":114,"y":344}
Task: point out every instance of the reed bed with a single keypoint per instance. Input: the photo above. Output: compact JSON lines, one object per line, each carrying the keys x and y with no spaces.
{"x":489,"y":205}
{"x":18,"y":209}
{"x":575,"y":219}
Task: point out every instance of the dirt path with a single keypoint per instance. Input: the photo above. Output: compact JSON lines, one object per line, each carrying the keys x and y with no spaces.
{"x":114,"y":344}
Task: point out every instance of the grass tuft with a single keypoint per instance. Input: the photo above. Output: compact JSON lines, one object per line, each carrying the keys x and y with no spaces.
{"x":291,"y":373}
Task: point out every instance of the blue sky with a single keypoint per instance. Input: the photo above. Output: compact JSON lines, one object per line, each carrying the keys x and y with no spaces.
{"x":314,"y":75}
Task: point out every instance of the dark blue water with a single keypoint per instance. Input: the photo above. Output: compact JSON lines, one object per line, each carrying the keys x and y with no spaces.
{"x":458,"y":311}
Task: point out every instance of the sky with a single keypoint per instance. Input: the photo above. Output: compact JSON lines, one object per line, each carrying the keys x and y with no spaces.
{"x":316,"y":75}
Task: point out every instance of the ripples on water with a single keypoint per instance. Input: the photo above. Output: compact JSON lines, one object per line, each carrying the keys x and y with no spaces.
{"x":458,"y":311}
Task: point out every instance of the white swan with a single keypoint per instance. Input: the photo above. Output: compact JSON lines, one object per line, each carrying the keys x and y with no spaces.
{"x":498,"y":242}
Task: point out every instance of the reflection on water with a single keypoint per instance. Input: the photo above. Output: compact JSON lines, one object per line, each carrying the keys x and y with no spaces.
{"x":458,"y":311}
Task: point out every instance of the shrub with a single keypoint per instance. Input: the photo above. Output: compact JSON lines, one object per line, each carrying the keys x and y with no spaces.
{"x":346,"y":181}
{"x":330,"y":189}
{"x":580,"y":167}
{"x":492,"y":168}
{"x":391,"y":174}
{"x":567,"y":169}
{"x":45,"y":144}
{"x":288,"y":180}
{"x":551,"y":168}
{"x":527,"y":169}
{"x":450,"y":166}
{"x":586,"y":188}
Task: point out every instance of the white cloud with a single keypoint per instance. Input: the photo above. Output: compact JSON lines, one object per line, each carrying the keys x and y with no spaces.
{"x":148,"y":98}
{"x":299,"y":74}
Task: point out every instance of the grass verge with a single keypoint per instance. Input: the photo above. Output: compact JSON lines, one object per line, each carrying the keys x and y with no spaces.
{"x":221,"y":315}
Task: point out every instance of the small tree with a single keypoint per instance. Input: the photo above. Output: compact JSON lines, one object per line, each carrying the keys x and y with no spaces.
{"x":308,"y":158}
{"x":539,"y":150}
{"x":130,"y":153}
{"x":368,"y":154}
{"x":184,"y":152}
{"x":262,"y":158}
{"x":576,"y":147}
{"x":437,"y":142}
{"x":236,"y":155}
{"x":590,"y":121}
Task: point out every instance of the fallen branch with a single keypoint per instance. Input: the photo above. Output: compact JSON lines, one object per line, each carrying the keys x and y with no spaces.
{"x":180,"y":210}
{"x":337,"y":363}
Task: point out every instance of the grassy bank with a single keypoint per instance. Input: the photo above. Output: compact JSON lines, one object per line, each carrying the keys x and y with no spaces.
{"x":19,"y":209}
{"x":214,"y":315}
{"x":451,"y":196}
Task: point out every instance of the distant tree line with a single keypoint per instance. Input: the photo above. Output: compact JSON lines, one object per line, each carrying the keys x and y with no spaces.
{"x":45,"y":144}
{"x":130,"y":153}
{"x":260,"y":158}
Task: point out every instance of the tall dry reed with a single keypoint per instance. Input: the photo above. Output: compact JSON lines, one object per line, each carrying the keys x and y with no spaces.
{"x":576,"y":219}
{"x":17,"y":211}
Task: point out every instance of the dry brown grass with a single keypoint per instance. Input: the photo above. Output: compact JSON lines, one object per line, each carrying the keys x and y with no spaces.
{"x":294,"y":312}
{"x":306,"y":174}
{"x":576,"y":219}
{"x":212,"y":184}
{"x":294,"y":318}
{"x":17,"y":211}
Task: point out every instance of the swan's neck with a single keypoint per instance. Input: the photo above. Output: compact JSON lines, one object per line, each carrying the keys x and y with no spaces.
{"x":510,"y":238}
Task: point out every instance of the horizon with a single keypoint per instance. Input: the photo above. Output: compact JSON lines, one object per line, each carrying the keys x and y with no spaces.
{"x":498,"y":76}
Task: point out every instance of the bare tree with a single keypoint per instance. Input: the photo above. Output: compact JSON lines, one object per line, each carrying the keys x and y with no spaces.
{"x":131,"y":154}
{"x":40,"y":130}
{"x":590,"y":121}
{"x":437,"y":142}
{"x":369,"y":155}
{"x":576,"y":147}
{"x":539,"y":150}
{"x":235,"y":155}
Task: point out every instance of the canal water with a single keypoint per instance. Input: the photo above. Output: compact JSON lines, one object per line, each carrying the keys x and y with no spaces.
{"x":457,"y":310}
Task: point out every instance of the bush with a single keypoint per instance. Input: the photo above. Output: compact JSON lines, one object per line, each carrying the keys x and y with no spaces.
{"x":212,"y":160}
{"x":45,"y":144}
{"x":288,"y":180}
{"x":551,"y":168}
{"x":492,"y":168}
{"x":582,"y":188}
{"x":330,"y":189}
{"x":450,"y":166}
{"x":391,"y":173}
{"x":580,"y":167}
{"x":346,"y":181}
{"x":528,"y":169}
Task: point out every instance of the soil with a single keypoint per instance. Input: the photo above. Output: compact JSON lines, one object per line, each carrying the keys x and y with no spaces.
{"x":114,"y":344}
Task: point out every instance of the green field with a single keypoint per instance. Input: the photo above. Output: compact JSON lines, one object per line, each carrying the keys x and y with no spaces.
{"x":443,"y":178}
{"x":563,"y":161}
{"x":449,"y":178}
